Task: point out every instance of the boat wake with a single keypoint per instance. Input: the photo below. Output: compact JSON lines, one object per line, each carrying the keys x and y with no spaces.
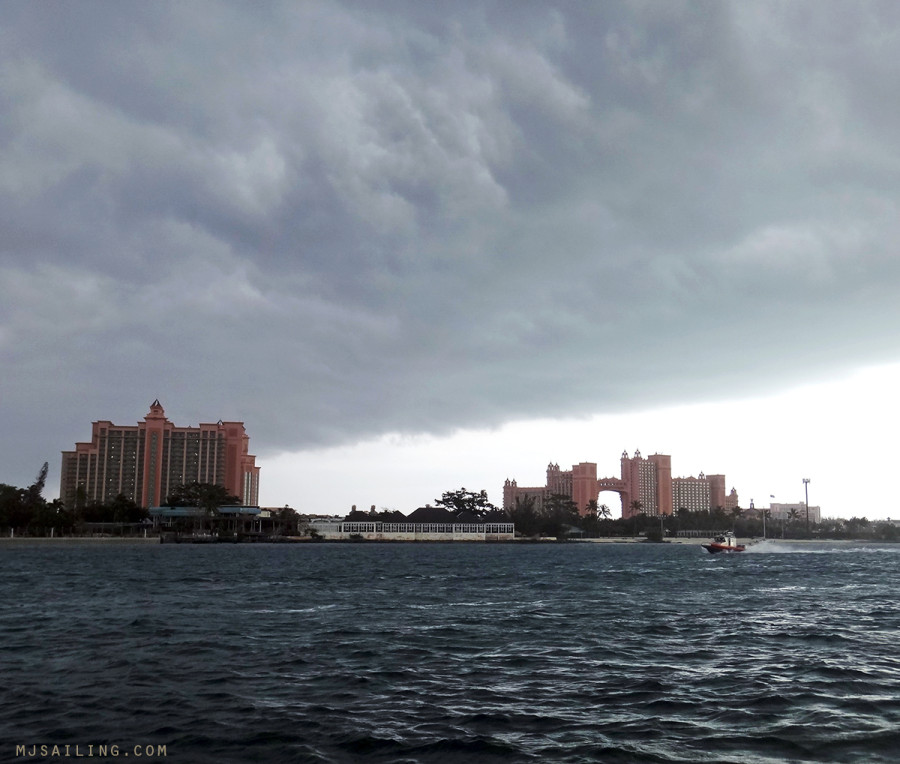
{"x":770,"y":546}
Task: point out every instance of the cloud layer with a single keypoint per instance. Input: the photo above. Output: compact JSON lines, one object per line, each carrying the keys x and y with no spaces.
{"x":334,"y":220}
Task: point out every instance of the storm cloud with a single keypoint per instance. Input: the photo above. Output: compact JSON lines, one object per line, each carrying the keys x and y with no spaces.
{"x":334,"y":220}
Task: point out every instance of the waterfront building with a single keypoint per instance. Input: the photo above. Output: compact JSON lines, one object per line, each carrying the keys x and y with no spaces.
{"x":647,"y":482}
{"x":228,"y":517}
{"x":425,"y":524}
{"x":145,"y":462}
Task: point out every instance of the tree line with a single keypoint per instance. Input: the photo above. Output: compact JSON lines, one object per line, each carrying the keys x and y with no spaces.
{"x":25,"y":511}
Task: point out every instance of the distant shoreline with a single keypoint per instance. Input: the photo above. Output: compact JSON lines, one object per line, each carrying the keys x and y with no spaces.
{"x":79,"y":539}
{"x":155,"y":539}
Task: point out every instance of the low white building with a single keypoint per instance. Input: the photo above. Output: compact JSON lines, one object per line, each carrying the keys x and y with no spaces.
{"x":425,"y":524}
{"x":324,"y":525}
{"x":425,"y":531}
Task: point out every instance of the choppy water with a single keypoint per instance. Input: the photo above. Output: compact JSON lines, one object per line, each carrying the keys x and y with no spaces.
{"x":460,"y":652}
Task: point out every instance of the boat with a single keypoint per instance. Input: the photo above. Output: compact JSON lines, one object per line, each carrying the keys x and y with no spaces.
{"x":724,"y":542}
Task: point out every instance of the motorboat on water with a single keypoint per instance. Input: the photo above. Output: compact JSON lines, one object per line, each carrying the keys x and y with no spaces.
{"x":724,"y":542}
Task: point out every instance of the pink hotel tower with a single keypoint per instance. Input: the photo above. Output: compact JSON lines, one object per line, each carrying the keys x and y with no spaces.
{"x":145,"y":462}
{"x":648,"y":481}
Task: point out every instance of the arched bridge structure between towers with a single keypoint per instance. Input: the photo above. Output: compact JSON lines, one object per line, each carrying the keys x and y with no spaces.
{"x":618,"y":485}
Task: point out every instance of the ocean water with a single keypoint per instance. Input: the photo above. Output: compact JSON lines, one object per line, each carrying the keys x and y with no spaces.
{"x":451,"y":652}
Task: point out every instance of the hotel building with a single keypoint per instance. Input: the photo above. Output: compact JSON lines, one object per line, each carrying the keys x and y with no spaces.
{"x":147,"y":461}
{"x":646,"y":480}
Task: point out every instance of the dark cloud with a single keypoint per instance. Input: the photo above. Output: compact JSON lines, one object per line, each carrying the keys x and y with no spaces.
{"x":333,"y":220}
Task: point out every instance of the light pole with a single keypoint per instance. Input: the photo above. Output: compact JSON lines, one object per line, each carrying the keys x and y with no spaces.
{"x":806,"y":490}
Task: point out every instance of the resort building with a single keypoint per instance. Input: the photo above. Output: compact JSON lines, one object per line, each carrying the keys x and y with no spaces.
{"x":645,"y":485}
{"x":691,"y":493}
{"x":147,"y":461}
{"x":649,"y":482}
{"x":704,"y":492}
{"x":425,"y":524}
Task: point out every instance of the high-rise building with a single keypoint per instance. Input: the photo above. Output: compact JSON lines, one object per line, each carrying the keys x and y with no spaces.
{"x":147,"y":461}
{"x":648,"y":481}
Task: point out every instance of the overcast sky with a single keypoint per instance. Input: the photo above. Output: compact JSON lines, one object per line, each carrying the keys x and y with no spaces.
{"x":402,"y":241}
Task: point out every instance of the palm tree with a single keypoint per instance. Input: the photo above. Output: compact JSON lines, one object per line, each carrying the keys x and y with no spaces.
{"x":637,"y":509}
{"x":603,"y":513}
{"x":736,"y":512}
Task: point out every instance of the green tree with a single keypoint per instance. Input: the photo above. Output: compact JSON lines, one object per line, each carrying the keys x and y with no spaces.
{"x":26,"y":510}
{"x":857,"y":527}
{"x":466,"y":501}
{"x":559,"y":511}
{"x":125,"y":510}
{"x":718,"y":518}
{"x":524,"y":515}
{"x":10,"y":506}
{"x":29,"y":511}
{"x":34,"y":512}
{"x":64,"y":519}
{"x":36,"y":489}
{"x":208,"y":496}
{"x":288,"y":521}
{"x":590,"y":524}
